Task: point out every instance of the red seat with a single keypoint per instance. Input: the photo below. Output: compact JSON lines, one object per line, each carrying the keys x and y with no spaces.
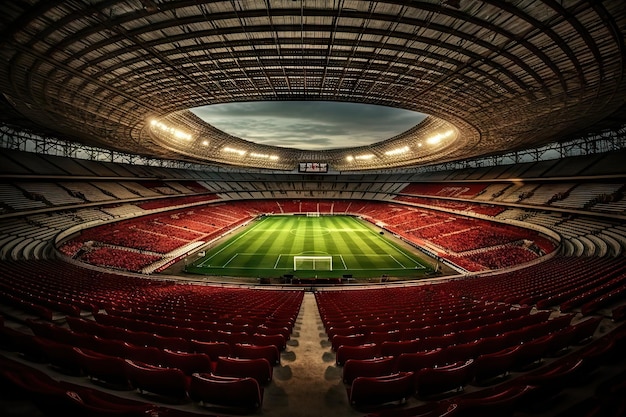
{"x":382,"y":336}
{"x":269,"y":352}
{"x":347,"y":340}
{"x":61,"y":356}
{"x":431,"y":381}
{"x":274,"y":330}
{"x":354,"y":368}
{"x":419,"y":360}
{"x":532,"y":352}
{"x":45,"y":392}
{"x":189,"y":363}
{"x":259,"y":369}
{"x":109,"y":347}
{"x":108,"y":369}
{"x":495,"y":364}
{"x":344,"y":331}
{"x":561,"y":341}
{"x":166,"y":382}
{"x":213,"y":349}
{"x":383,"y":389}
{"x":177,"y":344}
{"x":497,"y":402}
{"x":259,"y":339}
{"x":584,"y":330}
{"x":146,"y":354}
{"x":552,"y":379}
{"x":398,"y":348}
{"x":368,"y":351}
{"x":92,"y":403}
{"x":233,"y":337}
{"x":435,"y":342}
{"x":225,"y":391}
{"x":461,"y":352}
{"x":24,"y":343}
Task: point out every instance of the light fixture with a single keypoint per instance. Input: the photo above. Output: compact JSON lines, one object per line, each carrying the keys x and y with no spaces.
{"x":433,"y":140}
{"x":240,"y":152}
{"x":164,"y":128}
{"x":397,"y":151}
{"x":263,"y":156}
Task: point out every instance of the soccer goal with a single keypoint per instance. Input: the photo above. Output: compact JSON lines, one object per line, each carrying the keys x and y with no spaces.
{"x":313,"y":263}
{"x":313,"y":214}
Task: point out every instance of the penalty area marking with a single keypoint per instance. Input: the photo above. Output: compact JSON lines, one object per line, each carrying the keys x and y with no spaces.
{"x":343,"y":262}
{"x":201,"y":264}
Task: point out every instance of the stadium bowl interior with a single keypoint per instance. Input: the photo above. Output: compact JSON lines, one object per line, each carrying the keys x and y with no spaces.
{"x":154,"y":264}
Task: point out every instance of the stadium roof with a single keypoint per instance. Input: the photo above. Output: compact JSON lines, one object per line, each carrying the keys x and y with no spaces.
{"x":493,"y":75}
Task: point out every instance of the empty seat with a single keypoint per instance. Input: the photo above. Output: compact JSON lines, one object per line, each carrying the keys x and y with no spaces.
{"x":354,"y":368}
{"x":552,"y":379}
{"x":61,"y":356}
{"x":145,"y":354}
{"x":213,"y":349}
{"x":347,"y":340}
{"x":382,"y":336}
{"x":584,"y":330}
{"x":382,"y":389}
{"x":93,"y":403}
{"x":172,"y":343}
{"x":110,"y":370}
{"x":495,"y":364}
{"x":226,"y":391}
{"x":269,"y":352}
{"x":431,"y":381}
{"x":397,"y":348}
{"x":259,"y":369}
{"x":532,"y":352}
{"x":167,"y":382}
{"x":368,"y":351}
{"x":189,"y":363}
{"x":498,"y":402}
{"x":259,"y":339}
{"x":461,"y":352}
{"x":419,"y":360}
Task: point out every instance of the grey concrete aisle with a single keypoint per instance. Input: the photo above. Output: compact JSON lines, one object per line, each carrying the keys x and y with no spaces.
{"x":308,"y":383}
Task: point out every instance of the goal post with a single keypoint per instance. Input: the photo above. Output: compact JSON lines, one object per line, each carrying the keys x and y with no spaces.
{"x":313,"y":263}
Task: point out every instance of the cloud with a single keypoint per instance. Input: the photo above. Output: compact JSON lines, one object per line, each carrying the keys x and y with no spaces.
{"x":310,"y":125}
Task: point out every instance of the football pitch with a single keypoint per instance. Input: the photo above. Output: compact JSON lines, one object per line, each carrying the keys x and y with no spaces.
{"x":267,"y":247}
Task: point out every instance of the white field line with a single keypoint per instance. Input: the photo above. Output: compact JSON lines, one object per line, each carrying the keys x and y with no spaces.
{"x":201,"y":264}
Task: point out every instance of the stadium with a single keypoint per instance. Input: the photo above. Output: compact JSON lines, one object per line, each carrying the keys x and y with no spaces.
{"x":471,"y":264}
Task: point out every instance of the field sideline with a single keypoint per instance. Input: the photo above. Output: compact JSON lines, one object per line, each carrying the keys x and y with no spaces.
{"x":266,"y":248}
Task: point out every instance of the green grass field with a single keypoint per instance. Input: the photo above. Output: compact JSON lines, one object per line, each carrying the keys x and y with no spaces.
{"x":266,"y":248}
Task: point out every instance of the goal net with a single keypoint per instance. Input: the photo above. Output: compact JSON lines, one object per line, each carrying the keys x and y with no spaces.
{"x":313,"y":263}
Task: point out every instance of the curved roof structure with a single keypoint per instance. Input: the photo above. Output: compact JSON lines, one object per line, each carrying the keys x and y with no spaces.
{"x":492,"y":75}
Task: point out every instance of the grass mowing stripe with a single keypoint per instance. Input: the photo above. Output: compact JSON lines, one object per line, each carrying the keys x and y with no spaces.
{"x":233,"y":241}
{"x":267,"y":247}
{"x":396,"y":248}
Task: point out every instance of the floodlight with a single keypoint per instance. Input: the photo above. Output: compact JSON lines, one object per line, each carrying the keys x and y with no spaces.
{"x":397,"y":151}
{"x":172,"y":131}
{"x":433,"y":140}
{"x":240,"y":152}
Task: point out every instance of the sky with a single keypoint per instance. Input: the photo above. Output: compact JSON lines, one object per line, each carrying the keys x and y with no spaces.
{"x":309,"y":125}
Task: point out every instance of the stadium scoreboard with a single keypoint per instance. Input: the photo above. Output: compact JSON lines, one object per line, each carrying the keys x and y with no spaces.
{"x":313,"y":167}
